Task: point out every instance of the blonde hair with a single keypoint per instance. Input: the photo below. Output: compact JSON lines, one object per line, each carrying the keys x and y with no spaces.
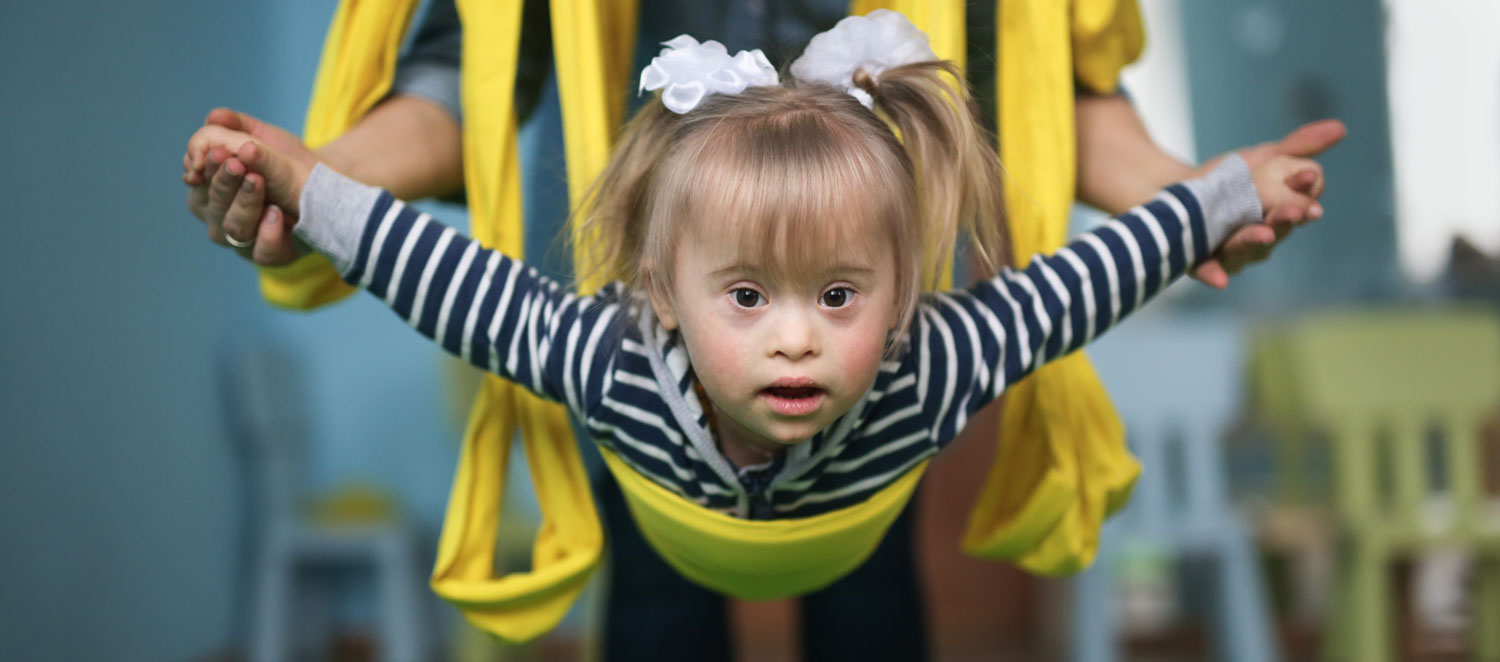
{"x":789,"y":169}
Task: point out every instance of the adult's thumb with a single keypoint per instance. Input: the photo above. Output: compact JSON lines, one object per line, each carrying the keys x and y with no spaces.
{"x":1313,"y":138}
{"x":283,"y":177}
{"x":228,"y":118}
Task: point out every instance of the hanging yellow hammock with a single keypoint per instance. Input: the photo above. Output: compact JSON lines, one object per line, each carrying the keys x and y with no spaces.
{"x":1060,"y":468}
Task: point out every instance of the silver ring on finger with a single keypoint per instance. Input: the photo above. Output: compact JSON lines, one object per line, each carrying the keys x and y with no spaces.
{"x":237,"y":243}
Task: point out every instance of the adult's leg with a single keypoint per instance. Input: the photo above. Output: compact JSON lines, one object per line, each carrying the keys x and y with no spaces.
{"x":651,"y":612}
{"x":875,"y":612}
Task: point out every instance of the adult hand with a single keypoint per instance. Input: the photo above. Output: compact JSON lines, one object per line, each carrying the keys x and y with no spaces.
{"x":1254,"y":243}
{"x":230,"y":200}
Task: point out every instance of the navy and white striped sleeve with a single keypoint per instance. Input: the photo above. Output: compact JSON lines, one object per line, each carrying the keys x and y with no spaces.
{"x":491,"y":310}
{"x":970,"y":345}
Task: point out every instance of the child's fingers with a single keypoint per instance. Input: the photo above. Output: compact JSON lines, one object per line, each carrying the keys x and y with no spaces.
{"x":1302,"y":181}
{"x":1306,"y":178}
{"x":1285,"y":214}
{"x":210,"y":166}
{"x":1301,"y":208}
{"x":213,"y":135}
{"x":193,"y":176}
{"x":273,"y":245}
{"x":242,"y":218}
{"x":190,"y":176}
{"x":217,"y":156}
{"x":213,"y":162}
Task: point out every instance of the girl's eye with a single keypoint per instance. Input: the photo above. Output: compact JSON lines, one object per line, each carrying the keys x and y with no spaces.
{"x":746,"y":297}
{"x":836,"y":297}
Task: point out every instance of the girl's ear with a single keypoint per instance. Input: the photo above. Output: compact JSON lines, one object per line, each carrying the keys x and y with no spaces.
{"x":664,"y":313}
{"x":661,"y":302}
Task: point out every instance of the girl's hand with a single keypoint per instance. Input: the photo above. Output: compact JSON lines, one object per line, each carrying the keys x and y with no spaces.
{"x":245,"y":190}
{"x":283,"y":175}
{"x":1289,"y":188}
{"x":1254,"y":243}
{"x":231,"y":202}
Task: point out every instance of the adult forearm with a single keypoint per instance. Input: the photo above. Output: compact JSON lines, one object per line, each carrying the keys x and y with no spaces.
{"x":1119,"y":165}
{"x":407,"y":145}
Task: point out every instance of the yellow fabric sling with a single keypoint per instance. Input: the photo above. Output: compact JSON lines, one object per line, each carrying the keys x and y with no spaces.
{"x":759,"y":559}
{"x":356,"y":71}
{"x":521,"y":605}
{"x":1061,"y":465}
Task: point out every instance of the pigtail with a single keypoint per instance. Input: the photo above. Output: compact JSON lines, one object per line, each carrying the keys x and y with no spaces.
{"x":610,"y":224}
{"x":957,"y":166}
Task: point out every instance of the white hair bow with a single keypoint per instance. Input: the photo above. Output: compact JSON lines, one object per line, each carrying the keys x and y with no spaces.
{"x":690,"y":71}
{"x":875,"y":42}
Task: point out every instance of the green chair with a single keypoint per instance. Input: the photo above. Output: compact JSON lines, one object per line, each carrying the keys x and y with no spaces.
{"x":1376,"y":384}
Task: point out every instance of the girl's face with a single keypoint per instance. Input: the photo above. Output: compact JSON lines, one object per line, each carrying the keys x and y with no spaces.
{"x":781,"y":356}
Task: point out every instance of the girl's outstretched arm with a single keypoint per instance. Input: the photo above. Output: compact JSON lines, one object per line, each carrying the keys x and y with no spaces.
{"x":489,"y":309}
{"x":971,"y":345}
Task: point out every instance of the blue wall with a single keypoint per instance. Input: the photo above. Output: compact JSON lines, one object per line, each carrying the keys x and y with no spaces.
{"x":117,"y":479}
{"x":1259,"y":69}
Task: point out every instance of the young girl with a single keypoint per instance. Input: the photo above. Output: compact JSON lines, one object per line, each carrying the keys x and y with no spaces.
{"x":765,"y":351}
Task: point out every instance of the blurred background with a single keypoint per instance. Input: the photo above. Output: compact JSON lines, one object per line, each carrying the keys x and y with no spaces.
{"x":1321,"y":460}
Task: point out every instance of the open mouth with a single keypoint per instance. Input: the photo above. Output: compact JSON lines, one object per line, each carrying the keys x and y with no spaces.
{"x":795,"y":400}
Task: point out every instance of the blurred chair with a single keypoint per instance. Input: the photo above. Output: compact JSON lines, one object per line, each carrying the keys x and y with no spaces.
{"x":292,"y":531}
{"x":1377,"y":384}
{"x":1175,"y":381}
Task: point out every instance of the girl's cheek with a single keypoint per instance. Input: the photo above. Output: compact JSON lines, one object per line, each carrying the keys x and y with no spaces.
{"x":862,"y":351}
{"x":717,"y":349}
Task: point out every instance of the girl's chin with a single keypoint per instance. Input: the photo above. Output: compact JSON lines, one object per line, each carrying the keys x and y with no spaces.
{"x":784,"y":435}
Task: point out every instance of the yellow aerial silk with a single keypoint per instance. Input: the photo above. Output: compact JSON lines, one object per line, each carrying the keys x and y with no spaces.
{"x":1037,"y":506}
{"x":1061,"y":466}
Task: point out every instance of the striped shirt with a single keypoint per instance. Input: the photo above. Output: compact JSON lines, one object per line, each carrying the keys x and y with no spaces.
{"x":630,"y":383}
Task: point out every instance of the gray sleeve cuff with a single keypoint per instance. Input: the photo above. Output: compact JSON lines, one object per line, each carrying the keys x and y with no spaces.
{"x":1228,"y":198}
{"x":334,"y":212}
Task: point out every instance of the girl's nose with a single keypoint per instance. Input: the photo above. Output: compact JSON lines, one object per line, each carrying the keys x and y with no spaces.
{"x":793,"y":336}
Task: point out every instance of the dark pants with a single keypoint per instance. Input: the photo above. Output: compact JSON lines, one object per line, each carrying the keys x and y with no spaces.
{"x":653,"y":613}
